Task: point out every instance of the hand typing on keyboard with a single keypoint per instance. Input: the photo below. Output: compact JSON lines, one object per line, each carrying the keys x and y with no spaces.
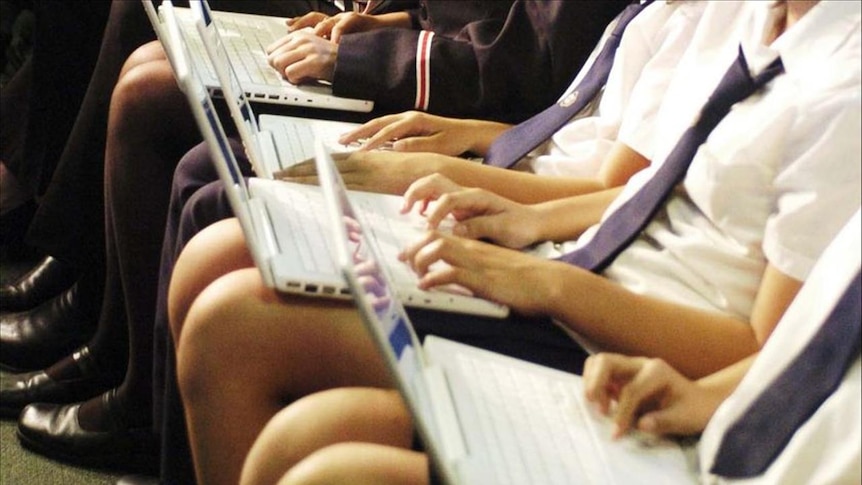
{"x":648,"y":396}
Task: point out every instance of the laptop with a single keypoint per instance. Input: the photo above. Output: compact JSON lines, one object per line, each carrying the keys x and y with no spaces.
{"x":285,"y":225}
{"x":246,"y":36}
{"x":272,"y":142}
{"x":486,"y":417}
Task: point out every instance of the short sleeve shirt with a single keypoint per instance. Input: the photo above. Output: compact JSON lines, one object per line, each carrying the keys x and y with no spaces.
{"x":826,"y":448}
{"x":776,"y":178}
{"x":650,"y":48}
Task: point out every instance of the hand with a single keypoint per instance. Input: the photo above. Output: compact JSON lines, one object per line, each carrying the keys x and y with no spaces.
{"x":334,"y":27}
{"x":480,"y":214}
{"x":307,"y":21}
{"x":415,"y":131}
{"x":525,"y":283}
{"x":303,"y":57}
{"x":378,"y":171}
{"x":650,"y":395}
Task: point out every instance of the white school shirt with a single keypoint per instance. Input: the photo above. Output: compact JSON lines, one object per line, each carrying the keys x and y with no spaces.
{"x":826,"y":448}
{"x":650,"y":47}
{"x":775,"y":179}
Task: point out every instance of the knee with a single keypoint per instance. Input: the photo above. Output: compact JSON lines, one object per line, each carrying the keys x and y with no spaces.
{"x":272,"y":455}
{"x":149,"y":52}
{"x":144,"y":89}
{"x":208,"y":342}
{"x":327,"y":466}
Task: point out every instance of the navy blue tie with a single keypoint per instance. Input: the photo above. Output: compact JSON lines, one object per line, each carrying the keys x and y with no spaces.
{"x":751,"y":444}
{"x":621,"y":227}
{"x":519,"y":140}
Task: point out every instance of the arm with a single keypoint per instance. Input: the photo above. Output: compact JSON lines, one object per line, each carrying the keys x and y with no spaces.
{"x":694,"y":341}
{"x":697,"y":342}
{"x":476,"y":42}
{"x":653,"y":397}
{"x":415,"y":131}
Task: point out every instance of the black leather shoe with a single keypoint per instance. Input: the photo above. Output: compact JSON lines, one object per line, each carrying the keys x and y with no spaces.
{"x":46,"y":280}
{"x":19,"y":390}
{"x":37,"y":338}
{"x":53,"y":430}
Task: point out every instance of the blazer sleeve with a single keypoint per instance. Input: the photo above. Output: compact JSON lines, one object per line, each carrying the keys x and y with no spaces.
{"x":505,"y":65}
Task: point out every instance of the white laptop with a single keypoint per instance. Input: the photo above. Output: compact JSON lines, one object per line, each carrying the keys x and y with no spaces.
{"x":272,"y":142}
{"x":485,"y":417}
{"x":246,"y":36}
{"x":285,"y":225}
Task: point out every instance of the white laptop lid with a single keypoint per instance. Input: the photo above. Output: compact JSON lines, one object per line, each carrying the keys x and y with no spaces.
{"x":382,"y":312}
{"x":436,"y":392}
{"x":306,"y":95}
{"x":208,"y":120}
{"x":279,"y":259}
{"x":272,"y":142}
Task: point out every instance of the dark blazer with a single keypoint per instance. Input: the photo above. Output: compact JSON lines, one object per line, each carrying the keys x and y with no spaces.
{"x":503,"y":60}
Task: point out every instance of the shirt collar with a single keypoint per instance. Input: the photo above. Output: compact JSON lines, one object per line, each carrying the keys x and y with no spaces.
{"x":817,"y":35}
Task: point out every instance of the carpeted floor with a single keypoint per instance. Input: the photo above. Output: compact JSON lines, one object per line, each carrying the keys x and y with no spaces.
{"x":21,"y":467}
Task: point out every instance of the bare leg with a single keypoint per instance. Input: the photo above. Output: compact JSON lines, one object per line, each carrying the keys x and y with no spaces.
{"x":360,"y":464}
{"x":214,"y":252}
{"x":323,"y":419}
{"x":236,"y":334}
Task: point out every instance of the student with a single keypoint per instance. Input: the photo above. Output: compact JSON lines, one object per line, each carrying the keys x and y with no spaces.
{"x":425,"y":64}
{"x":145,"y":94}
{"x":638,"y":74}
{"x":706,"y":281}
{"x":366,"y":434}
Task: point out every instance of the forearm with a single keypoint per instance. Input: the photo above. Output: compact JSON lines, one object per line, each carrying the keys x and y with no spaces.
{"x":394,"y":20}
{"x":482,"y":134}
{"x":523,"y":187}
{"x":694,"y":341}
{"x":724,"y":381}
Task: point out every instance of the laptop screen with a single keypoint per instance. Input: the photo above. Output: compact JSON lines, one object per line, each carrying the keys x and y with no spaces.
{"x":237,"y":101}
{"x":360,"y":255}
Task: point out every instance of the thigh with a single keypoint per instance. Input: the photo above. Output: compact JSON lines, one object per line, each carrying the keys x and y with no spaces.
{"x":214,"y":252}
{"x":322,"y":419}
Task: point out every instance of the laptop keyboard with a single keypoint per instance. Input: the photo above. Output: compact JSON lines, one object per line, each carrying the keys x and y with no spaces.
{"x":245,"y":41}
{"x":305,"y":222}
{"x":294,"y":141}
{"x":540,"y":425}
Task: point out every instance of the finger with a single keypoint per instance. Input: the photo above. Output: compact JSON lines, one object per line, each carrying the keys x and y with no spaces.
{"x":389,"y":134}
{"x":449,"y":249}
{"x":424,"y":189}
{"x":340,"y":28}
{"x":367,"y":129}
{"x":431,"y":143}
{"x":324,"y":28}
{"x":639,"y":394}
{"x":301,"y":169}
{"x":286,"y":56}
{"x":277,"y":44}
{"x":466,"y":203}
{"x":596,"y":377}
{"x":301,"y":71}
{"x":308,"y":20}
{"x":408,"y":254}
